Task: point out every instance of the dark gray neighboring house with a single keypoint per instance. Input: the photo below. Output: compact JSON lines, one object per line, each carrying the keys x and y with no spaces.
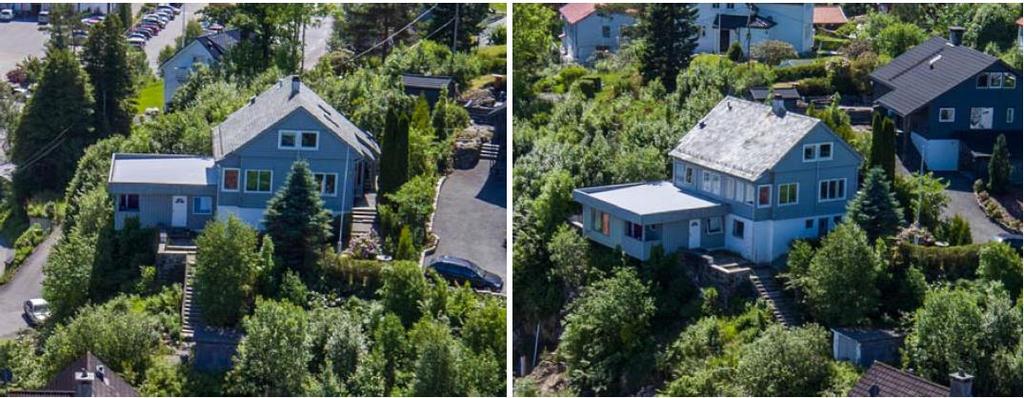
{"x":881,"y":380}
{"x":85,"y":377}
{"x":207,"y":49}
{"x":429,"y":87}
{"x":865,"y":346}
{"x":950,"y":101}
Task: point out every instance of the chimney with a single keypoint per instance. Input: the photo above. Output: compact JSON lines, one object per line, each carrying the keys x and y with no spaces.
{"x":960,"y":383}
{"x":101,"y":374}
{"x":295,"y":85}
{"x":956,"y":35}
{"x":83,"y":383}
{"x":778,"y":105}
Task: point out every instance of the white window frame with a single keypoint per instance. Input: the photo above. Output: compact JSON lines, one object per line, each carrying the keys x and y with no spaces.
{"x":1009,"y":80}
{"x":952,"y":115}
{"x":817,"y":152}
{"x":323,"y":183}
{"x":705,"y":181}
{"x":743,"y":234}
{"x":679,"y":173}
{"x":995,"y":80}
{"x":992,"y":112}
{"x":195,"y":201}
{"x":750,"y":197}
{"x":223,"y":176}
{"x":271,"y":185}
{"x":757,"y":196}
{"x":730,"y":187}
{"x":689,"y":175}
{"x":796,"y":194}
{"x":298,"y":134}
{"x":828,"y":180}
{"x":1009,"y":115}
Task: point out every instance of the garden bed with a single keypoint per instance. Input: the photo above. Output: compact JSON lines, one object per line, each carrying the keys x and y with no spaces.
{"x":995,"y":207}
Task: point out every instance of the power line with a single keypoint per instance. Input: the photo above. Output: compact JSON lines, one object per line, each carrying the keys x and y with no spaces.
{"x":436,"y":31}
{"x":392,"y":36}
{"x":45,"y":150}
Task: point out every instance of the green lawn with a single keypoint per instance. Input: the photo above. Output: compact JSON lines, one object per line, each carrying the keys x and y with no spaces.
{"x":498,"y":6}
{"x":497,"y":51}
{"x":151,"y":96}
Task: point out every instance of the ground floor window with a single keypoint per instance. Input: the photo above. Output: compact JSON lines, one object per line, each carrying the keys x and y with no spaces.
{"x":737,"y":228}
{"x":202,"y":205}
{"x":128,"y":202}
{"x":328,"y":183}
{"x":635,"y":231}
{"x":714,"y":225}
{"x":600,"y":222}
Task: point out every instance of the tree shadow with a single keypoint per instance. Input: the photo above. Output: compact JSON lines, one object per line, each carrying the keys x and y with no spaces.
{"x":493,"y":191}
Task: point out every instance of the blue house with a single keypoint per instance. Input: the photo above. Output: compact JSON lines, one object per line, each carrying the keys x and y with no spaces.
{"x":253,"y":151}
{"x":208,"y":49}
{"x":588,"y":30}
{"x":748,"y":178}
{"x":722,"y":24}
{"x":951,"y":102}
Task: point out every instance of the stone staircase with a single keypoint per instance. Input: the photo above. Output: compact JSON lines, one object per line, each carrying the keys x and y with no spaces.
{"x":489,"y":151}
{"x":364,"y":219}
{"x":191,"y":315}
{"x":769,"y":289}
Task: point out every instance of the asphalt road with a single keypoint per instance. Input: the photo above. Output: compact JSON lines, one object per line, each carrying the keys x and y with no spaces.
{"x":316,"y":42}
{"x":27,"y":284}
{"x":172,"y":31}
{"x":470,"y":219}
{"x":18,"y":40}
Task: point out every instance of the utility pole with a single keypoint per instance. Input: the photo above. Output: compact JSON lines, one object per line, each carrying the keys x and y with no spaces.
{"x":455,"y":33}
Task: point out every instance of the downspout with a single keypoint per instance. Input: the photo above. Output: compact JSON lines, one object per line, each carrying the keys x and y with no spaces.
{"x":341,"y":231}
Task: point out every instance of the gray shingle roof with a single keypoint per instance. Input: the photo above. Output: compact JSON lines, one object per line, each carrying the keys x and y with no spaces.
{"x":421,"y":81}
{"x":742,"y":138}
{"x":131,"y":168}
{"x":927,"y":71}
{"x":761,"y":93}
{"x":888,"y":381}
{"x":219,"y":43}
{"x":277,"y":102}
{"x":65,"y":384}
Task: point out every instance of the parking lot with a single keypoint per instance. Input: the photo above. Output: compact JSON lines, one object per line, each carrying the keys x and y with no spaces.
{"x":20,"y":38}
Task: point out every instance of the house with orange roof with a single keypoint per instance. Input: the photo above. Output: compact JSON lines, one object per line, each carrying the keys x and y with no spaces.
{"x":589,"y":29}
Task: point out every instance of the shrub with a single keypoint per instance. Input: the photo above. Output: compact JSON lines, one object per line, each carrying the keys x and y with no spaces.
{"x":772,"y":52}
{"x":735,"y":53}
{"x":568,"y":75}
{"x":23,"y":248}
{"x":956,"y":231}
{"x":814,"y":86}
{"x":793,"y":73}
{"x":1000,"y":262}
{"x":350,"y":276}
{"x":942,"y":263}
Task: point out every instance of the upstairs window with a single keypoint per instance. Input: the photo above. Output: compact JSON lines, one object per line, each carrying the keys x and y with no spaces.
{"x":981,"y":118}
{"x":983,"y":80}
{"x":818,"y":152}
{"x":328,"y":183}
{"x":711,"y":182}
{"x":128,"y":202}
{"x":258,"y":180}
{"x":291,"y":139}
{"x":688,"y":175}
{"x":788,"y":194}
{"x":730,"y":5}
{"x":834,"y":189}
{"x":1009,"y":80}
{"x":764,"y":195}
{"x":947,"y":115}
{"x":606,"y":31}
{"x":737,"y":228}
{"x":229,"y":181}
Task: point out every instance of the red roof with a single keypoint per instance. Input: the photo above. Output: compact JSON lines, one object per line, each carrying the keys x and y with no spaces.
{"x":575,"y":12}
{"x":829,"y":15}
{"x":1020,"y":21}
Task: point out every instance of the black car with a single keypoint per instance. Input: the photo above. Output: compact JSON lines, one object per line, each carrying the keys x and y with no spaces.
{"x":460,"y":271}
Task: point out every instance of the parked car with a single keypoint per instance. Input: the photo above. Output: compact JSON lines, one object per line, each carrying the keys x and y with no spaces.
{"x":36,"y":311}
{"x":153,"y":28}
{"x":43,"y":18}
{"x":6,"y":15}
{"x":1015,"y":241}
{"x":460,"y":271}
{"x":141,"y":32}
{"x":138,"y":35}
{"x":137,"y":41}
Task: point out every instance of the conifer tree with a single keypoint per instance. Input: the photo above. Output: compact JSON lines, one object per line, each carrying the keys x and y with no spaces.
{"x":394,"y":158}
{"x":296,"y":219}
{"x":875,"y":208}
{"x":670,"y":33}
{"x":106,"y":62}
{"x":999,"y":166}
{"x":55,"y":126}
{"x":464,"y":28}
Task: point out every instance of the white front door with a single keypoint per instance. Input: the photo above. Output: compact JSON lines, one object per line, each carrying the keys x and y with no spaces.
{"x":694,"y":234}
{"x":179,"y":211}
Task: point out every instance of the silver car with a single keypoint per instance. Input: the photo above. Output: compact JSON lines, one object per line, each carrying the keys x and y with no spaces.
{"x":36,"y":311}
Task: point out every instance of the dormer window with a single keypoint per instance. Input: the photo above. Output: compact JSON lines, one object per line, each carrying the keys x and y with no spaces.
{"x":293,"y":139}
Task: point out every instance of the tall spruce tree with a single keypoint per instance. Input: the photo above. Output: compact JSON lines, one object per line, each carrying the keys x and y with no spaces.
{"x":55,"y":127}
{"x":464,"y":29}
{"x":875,"y":208}
{"x":999,"y":166}
{"x":883,"y":145}
{"x":366,"y":24}
{"x":296,"y":219}
{"x":394,"y":158}
{"x":106,"y":61}
{"x":670,"y":33}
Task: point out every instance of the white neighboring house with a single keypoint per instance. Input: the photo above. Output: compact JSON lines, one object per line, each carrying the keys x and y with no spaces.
{"x":207,"y":49}
{"x":587,"y":30}
{"x":722,"y":24}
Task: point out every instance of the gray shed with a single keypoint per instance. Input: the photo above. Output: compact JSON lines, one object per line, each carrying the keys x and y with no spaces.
{"x":863,"y":346}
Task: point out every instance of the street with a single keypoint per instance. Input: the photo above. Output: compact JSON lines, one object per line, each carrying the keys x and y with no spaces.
{"x":316,"y":42}
{"x":27,"y":284}
{"x":470,"y":219}
{"x":21,"y":38}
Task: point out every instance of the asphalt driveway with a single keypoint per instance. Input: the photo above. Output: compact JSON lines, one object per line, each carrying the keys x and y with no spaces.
{"x":470,"y":219}
{"x":963,"y":202}
{"x":26,"y":284}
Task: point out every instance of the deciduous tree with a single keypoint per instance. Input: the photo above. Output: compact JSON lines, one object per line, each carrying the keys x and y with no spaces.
{"x":226,"y":270}
{"x":841,"y":281}
{"x":785,"y":362}
{"x":272,"y":357}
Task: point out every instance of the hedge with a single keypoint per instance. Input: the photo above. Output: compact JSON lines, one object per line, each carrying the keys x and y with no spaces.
{"x":943,"y":263}
{"x":815,"y":86}
{"x":794,"y":73}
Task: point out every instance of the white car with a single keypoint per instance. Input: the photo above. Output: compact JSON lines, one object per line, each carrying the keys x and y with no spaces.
{"x":136,"y":41}
{"x":36,"y":311}
{"x":6,"y":15}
